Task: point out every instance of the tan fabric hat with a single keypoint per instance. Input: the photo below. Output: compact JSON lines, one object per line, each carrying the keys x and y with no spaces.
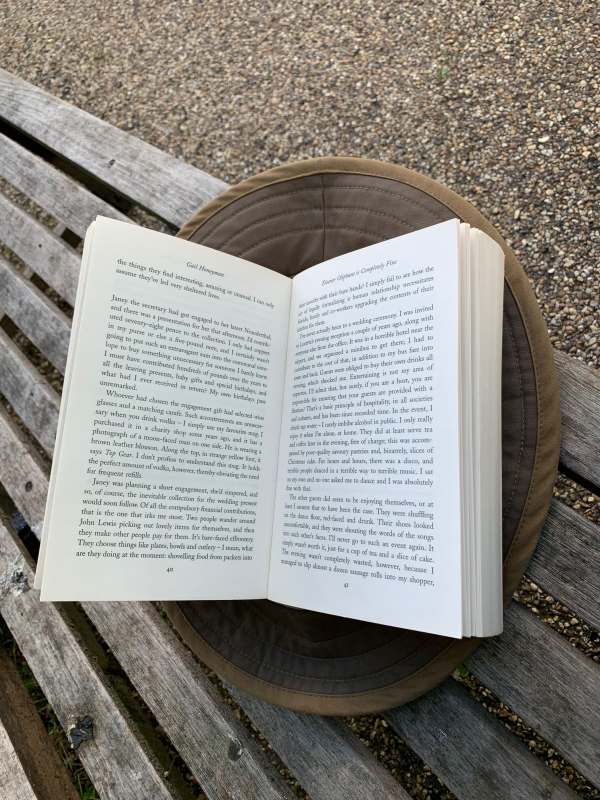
{"x":288,"y":219}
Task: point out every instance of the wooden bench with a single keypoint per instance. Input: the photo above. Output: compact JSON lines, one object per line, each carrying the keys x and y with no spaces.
{"x":63,"y":167}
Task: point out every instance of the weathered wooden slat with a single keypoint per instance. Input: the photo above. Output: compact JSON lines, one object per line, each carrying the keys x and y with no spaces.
{"x":566,"y":562}
{"x":183,"y":701}
{"x":61,"y":196}
{"x":39,"y":319}
{"x":14,"y":783}
{"x":115,"y":759}
{"x":216,"y":747}
{"x":31,"y":396}
{"x":168,"y":187}
{"x":354,"y":761}
{"x":473,"y":754}
{"x":22,"y":473}
{"x":546,"y":681}
{"x":284,"y":745}
{"x":326,"y":757}
{"x":167,"y":690}
{"x":41,"y":250}
{"x":551,"y":726}
{"x":580,"y":411}
{"x":33,"y":757}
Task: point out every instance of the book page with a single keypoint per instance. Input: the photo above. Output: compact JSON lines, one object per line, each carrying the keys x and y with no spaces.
{"x":367,"y":519}
{"x":163,"y":479}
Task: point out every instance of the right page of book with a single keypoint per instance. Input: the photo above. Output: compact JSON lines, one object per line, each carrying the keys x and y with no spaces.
{"x":367,"y":514}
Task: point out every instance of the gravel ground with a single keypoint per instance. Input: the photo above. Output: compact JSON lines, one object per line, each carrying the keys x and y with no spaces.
{"x":499,"y":101}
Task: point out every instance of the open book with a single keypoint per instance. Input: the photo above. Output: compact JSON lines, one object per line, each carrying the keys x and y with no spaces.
{"x":331,"y":441}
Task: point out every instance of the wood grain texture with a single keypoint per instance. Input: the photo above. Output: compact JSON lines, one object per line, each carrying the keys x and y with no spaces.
{"x":566,"y":562}
{"x":170,"y":188}
{"x":31,"y":396}
{"x":41,"y":250}
{"x":38,"y":758}
{"x":14,"y":783}
{"x":326,"y":757}
{"x":580,"y":412}
{"x":547,"y":682}
{"x":473,"y":754}
{"x":164,"y":673}
{"x":185,"y":704}
{"x":40,"y":320}
{"x":22,"y":473}
{"x":60,"y":195}
{"x":216,"y":747}
{"x":116,"y":758}
{"x":157,"y":663}
{"x":512,"y":673}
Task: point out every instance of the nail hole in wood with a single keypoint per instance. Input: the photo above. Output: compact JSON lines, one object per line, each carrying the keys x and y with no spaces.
{"x":235,"y":749}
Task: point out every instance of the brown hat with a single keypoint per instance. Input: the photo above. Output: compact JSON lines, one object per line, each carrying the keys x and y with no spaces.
{"x":288,"y":219}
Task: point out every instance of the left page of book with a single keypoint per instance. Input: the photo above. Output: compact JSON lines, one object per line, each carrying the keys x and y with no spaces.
{"x":162,"y":485}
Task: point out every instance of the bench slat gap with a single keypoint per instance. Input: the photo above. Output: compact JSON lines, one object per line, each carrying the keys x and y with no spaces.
{"x":580,"y":412}
{"x":35,"y":315}
{"x":40,"y":249}
{"x":60,"y":195}
{"x":472,"y":752}
{"x":547,"y":682}
{"x":31,"y":396}
{"x":116,"y":759}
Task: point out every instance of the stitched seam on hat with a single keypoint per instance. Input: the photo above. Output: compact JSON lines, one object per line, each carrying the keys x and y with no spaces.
{"x":407,"y":180}
{"x":254,"y":205}
{"x":296,"y":692}
{"x":306,"y":230}
{"x":295,"y":211}
{"x":255,"y":659}
{"x":394,"y":194}
{"x":522,"y":420}
{"x":213,"y":627}
{"x":337,"y":640}
{"x":399,"y":182}
{"x":251,"y":206}
{"x":539,"y":428}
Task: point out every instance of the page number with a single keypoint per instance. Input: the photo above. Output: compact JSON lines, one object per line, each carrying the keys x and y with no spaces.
{"x":170,"y":569}
{"x":346,"y":585}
